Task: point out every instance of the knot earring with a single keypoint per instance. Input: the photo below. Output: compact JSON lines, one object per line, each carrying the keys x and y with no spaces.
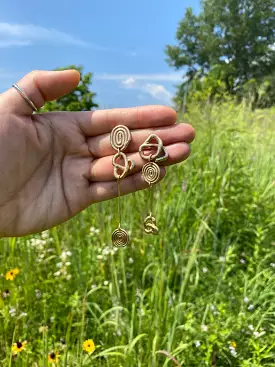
{"x":151,"y":174}
{"x":120,"y":139}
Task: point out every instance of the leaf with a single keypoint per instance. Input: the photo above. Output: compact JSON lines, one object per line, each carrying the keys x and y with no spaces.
{"x":135,"y":341}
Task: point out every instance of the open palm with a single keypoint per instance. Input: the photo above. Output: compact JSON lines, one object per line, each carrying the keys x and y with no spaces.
{"x":53,"y":165}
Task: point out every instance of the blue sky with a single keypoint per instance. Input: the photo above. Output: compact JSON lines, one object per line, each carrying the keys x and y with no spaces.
{"x":121,"y":41}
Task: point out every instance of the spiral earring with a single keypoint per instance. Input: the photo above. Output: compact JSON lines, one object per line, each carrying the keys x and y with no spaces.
{"x":151,"y":174}
{"x":120,"y":139}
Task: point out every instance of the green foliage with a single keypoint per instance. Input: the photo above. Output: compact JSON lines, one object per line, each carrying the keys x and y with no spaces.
{"x":81,"y":99}
{"x":199,"y":294}
{"x":210,"y":88}
{"x":235,"y":36}
{"x":260,"y":93}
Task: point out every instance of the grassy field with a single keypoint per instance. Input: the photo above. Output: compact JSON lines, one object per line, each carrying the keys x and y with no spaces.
{"x":202,"y":293}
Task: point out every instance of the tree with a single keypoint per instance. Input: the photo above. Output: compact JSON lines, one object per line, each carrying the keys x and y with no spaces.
{"x":81,"y":99}
{"x":238,"y":36}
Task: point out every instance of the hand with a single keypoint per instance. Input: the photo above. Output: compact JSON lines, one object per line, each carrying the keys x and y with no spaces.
{"x":53,"y":165}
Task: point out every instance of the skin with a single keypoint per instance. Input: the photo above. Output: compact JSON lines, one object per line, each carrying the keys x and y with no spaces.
{"x":54,"y":165}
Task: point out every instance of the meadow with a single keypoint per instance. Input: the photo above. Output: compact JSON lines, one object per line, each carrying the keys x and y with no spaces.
{"x":202,"y":293}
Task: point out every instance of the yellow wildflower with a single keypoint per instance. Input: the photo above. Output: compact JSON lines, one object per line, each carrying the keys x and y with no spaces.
{"x":89,"y":346}
{"x":234,"y":344}
{"x":53,"y":357}
{"x":11,"y":274}
{"x":18,"y":347}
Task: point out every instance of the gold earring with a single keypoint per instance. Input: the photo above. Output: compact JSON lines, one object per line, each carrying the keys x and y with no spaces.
{"x":120,"y":139}
{"x":151,"y":174}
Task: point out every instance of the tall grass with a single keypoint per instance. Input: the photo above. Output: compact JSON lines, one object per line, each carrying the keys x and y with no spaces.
{"x":202,"y":293}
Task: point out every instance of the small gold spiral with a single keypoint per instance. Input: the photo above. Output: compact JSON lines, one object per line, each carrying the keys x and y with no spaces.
{"x":151,"y":173}
{"x":120,"y":237}
{"x":120,"y":137}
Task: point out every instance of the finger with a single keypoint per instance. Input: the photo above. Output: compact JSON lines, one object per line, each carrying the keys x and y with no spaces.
{"x":100,"y":146}
{"x":100,"y":191}
{"x":103,"y":121}
{"x":102,"y":169}
{"x":40,"y":86}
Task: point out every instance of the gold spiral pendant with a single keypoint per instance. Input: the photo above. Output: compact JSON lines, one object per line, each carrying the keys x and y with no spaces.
{"x":151,"y":173}
{"x":120,"y":137}
{"x":120,"y":237}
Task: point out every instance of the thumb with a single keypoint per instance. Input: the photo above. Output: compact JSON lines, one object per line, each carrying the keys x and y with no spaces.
{"x":39,"y":86}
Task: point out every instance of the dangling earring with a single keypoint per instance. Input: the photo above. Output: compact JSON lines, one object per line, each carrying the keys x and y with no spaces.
{"x":120,"y":139}
{"x":151,"y":174}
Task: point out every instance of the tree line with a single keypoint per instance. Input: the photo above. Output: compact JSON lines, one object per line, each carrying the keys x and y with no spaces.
{"x":226,"y":51}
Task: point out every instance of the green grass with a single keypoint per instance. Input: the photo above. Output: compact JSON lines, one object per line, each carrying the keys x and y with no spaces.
{"x":183,"y":298}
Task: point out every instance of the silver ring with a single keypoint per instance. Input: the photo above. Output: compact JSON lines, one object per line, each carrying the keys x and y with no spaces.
{"x":26,"y":98}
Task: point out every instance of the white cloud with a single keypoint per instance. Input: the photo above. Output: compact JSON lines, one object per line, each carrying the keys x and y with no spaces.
{"x":27,"y":34}
{"x":160,"y":77}
{"x":129,"y":82}
{"x":157,"y":91}
{"x":11,"y":43}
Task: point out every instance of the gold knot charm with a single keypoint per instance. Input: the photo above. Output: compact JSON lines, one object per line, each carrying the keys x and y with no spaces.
{"x":121,"y":169}
{"x":150,"y":145}
{"x":150,"y":225}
